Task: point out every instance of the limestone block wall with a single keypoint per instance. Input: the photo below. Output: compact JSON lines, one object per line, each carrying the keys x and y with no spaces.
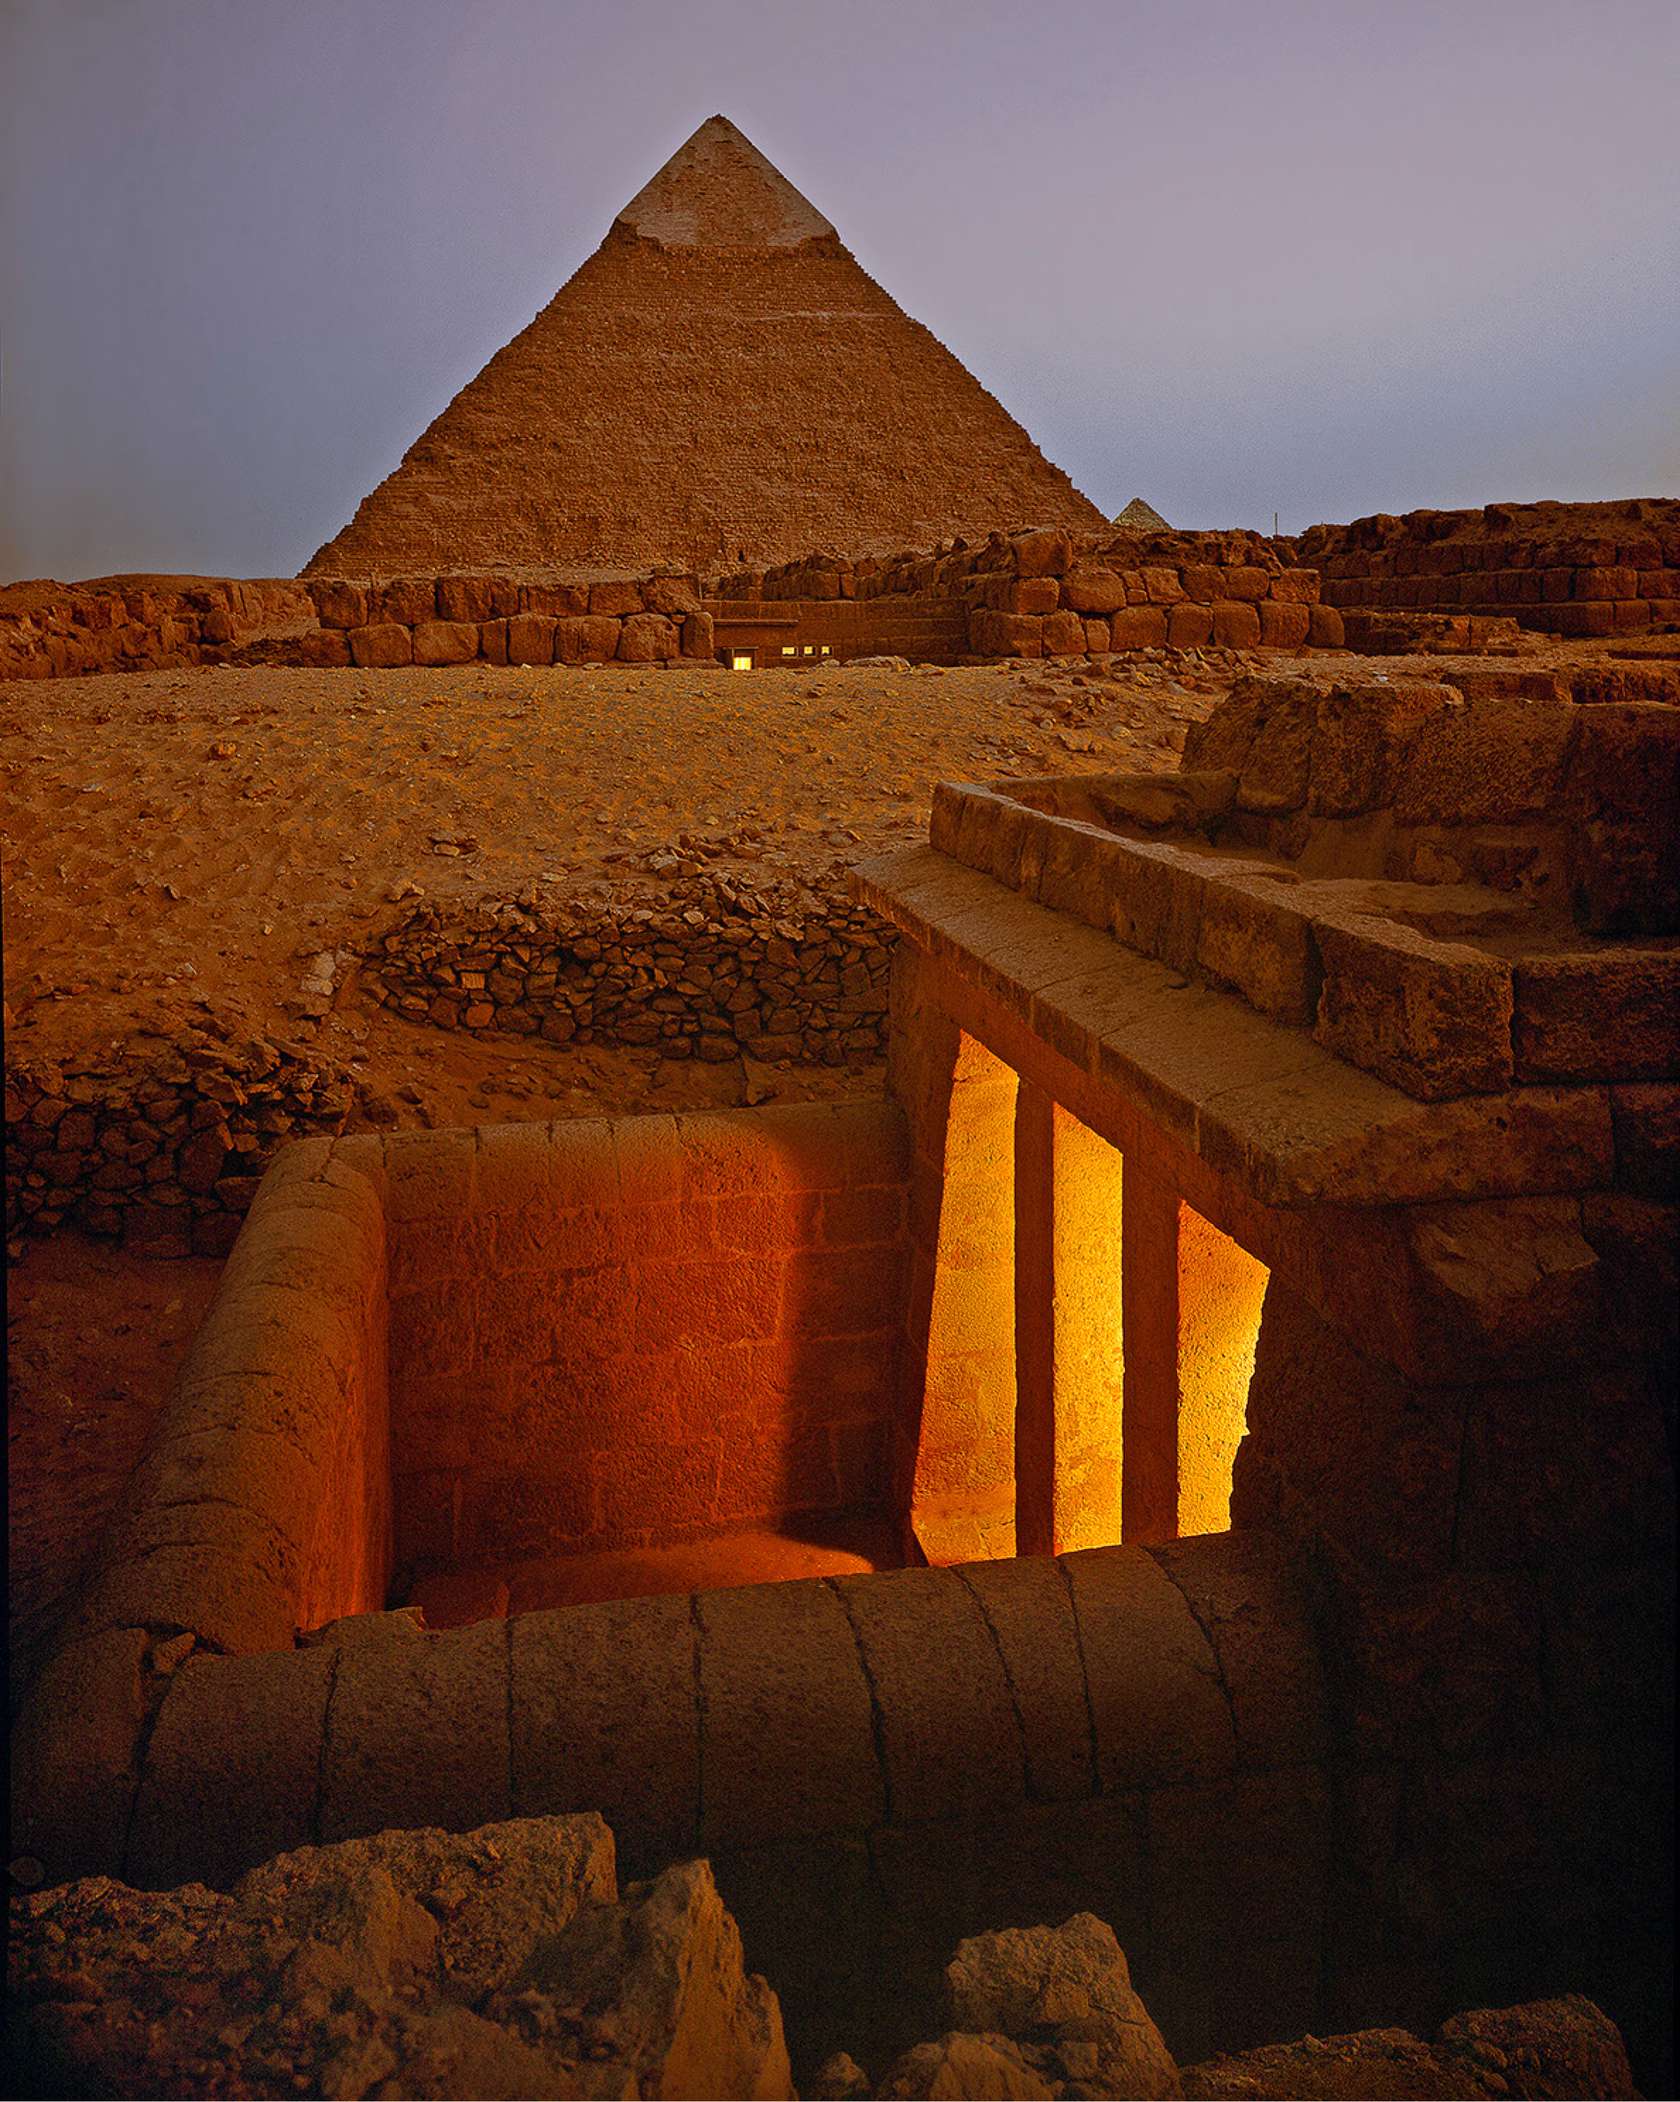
{"x":621,"y":1332}
{"x":707,"y":968}
{"x":505,"y":620}
{"x":1063,"y":594}
{"x":1568,"y":569}
{"x":51,"y":631}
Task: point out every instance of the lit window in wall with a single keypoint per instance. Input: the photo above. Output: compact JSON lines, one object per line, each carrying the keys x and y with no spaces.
{"x":740,"y":660}
{"x":788,"y":650}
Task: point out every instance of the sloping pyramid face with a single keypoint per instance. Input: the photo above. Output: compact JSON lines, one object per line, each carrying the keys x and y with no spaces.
{"x":719,"y":384}
{"x":1139,"y":517}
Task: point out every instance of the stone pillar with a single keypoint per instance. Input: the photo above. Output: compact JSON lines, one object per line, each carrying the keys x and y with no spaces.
{"x":1191,"y":1300}
{"x":1067,"y":1331}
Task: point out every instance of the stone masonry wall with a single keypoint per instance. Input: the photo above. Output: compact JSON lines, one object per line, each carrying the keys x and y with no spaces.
{"x":57,"y":631}
{"x":620,"y":1332}
{"x":1570,"y":569}
{"x":709,"y":969}
{"x":455,"y":619}
{"x":1048,"y":593}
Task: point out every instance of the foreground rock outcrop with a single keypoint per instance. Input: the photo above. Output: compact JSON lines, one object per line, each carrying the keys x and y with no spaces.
{"x":1042,"y":2013}
{"x":498,"y":1962}
{"x":505,"y":1962}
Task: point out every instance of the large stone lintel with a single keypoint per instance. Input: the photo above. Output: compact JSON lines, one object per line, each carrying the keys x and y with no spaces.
{"x":1261,"y":1103}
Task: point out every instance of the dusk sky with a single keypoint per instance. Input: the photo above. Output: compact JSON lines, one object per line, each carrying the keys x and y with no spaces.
{"x":1318,"y":257}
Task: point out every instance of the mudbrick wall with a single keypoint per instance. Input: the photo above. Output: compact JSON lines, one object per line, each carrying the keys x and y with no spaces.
{"x":1571,"y":569}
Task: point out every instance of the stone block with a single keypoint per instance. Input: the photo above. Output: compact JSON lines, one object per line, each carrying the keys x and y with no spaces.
{"x":1255,"y":936}
{"x":1284,"y":626}
{"x":1236,"y":622}
{"x":616,"y":597}
{"x":1157,"y":1707}
{"x":232,"y":1767}
{"x":492,"y":641}
{"x":648,"y":638}
{"x":339,"y":604}
{"x":698,"y":635}
{"x":1622,"y":796}
{"x":1360,"y":737}
{"x":1325,"y":630}
{"x":789,"y":1746}
{"x":605,"y":1716}
{"x":1034,"y":595}
{"x":1063,"y":635}
{"x":381,"y":645}
{"x":1029,"y":1611}
{"x":1341,"y":1446}
{"x":1189,"y":627}
{"x":1280,"y":718}
{"x":1089,"y":588}
{"x":1041,"y":553}
{"x":1162,"y":587}
{"x":942,"y":1698}
{"x":401,"y":1690}
{"x":1646,"y":1121}
{"x":1138,"y":628}
{"x":1157,"y":893}
{"x":1497,"y":761}
{"x":1431,"y":1017}
{"x":76,"y":1756}
{"x":405,"y":600}
{"x":1600,"y":1015}
{"x":598,"y":636}
{"x":445,"y":642}
{"x":530,"y":639}
{"x":1253,"y":1605}
{"x":476,"y":599}
{"x":558,"y":601}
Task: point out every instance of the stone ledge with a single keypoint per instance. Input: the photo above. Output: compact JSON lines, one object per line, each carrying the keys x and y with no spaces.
{"x":1289,"y":1121}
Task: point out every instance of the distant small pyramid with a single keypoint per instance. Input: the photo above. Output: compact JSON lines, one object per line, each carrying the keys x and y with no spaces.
{"x":719,"y":385}
{"x":1139,"y":517}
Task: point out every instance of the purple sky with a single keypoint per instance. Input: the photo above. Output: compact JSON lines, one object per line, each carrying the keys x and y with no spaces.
{"x":1321,"y":257}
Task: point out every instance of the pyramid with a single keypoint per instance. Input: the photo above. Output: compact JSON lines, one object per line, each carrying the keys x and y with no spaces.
{"x":719,"y":384}
{"x":1139,"y":517}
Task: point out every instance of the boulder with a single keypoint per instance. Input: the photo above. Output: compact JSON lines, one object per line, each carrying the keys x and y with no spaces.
{"x":1066,"y":1992}
{"x":412,"y":1963}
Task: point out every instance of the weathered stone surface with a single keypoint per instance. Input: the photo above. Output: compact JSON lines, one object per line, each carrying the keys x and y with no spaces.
{"x":499,"y":1962}
{"x":383,"y":643}
{"x":974,"y":2068}
{"x":1547,"y":2049}
{"x":445,"y":642}
{"x":1622,"y":795}
{"x":648,"y":638}
{"x":1069,"y":1990}
{"x":1432,"y":1017}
